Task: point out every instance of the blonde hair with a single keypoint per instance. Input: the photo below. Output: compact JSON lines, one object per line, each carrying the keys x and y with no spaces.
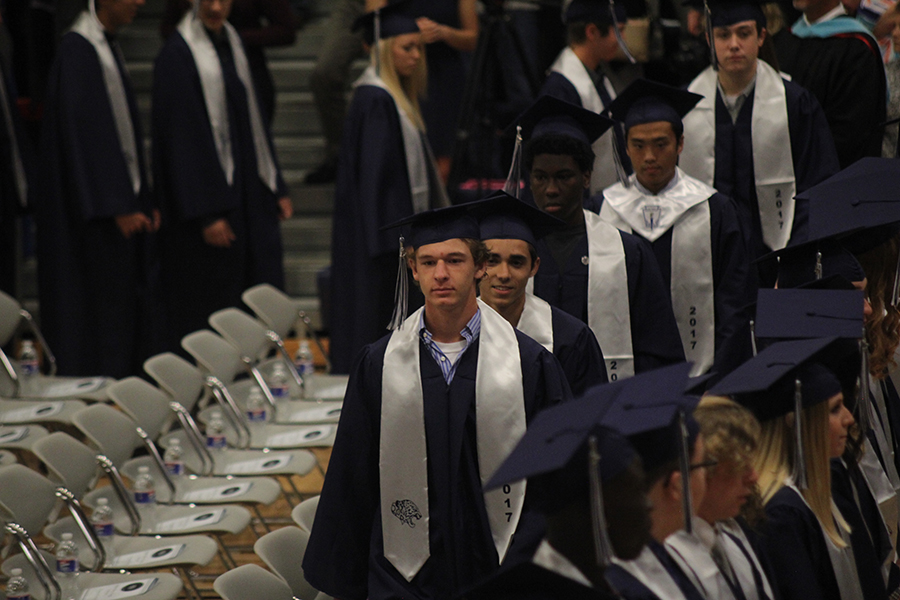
{"x":883,"y":327}
{"x":406,"y":91}
{"x":775,"y":462}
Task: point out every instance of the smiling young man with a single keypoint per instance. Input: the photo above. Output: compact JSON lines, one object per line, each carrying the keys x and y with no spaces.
{"x":755,"y":137}
{"x":510,"y":229}
{"x":693,"y":230}
{"x":606,"y":278}
{"x":430,"y":412}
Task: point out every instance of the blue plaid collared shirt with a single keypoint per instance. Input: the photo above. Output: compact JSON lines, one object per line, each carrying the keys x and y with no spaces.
{"x":469,"y":333}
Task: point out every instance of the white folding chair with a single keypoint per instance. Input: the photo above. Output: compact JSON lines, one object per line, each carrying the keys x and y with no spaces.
{"x":305,"y":513}
{"x":282,"y":551}
{"x":20,"y":437}
{"x":251,"y":582}
{"x":16,"y":412}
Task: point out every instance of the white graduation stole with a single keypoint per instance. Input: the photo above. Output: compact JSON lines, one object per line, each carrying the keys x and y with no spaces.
{"x":882,"y":491}
{"x":773,"y":163}
{"x":608,"y":307}
{"x":537,"y":321}
{"x":570,"y":66}
{"x":403,"y":453}
{"x":213,"y":84}
{"x":415,"y":147}
{"x":685,"y":210}
{"x":90,"y":29}
{"x":647,"y":569}
{"x":697,"y":564}
{"x":743,"y":560}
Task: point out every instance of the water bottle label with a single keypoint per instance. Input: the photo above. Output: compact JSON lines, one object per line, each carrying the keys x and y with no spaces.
{"x":175,"y":467}
{"x":104,"y":529}
{"x":279,"y":392}
{"x":216,"y":442}
{"x":256,"y":415}
{"x":29,"y":367}
{"x":146,"y":497}
{"x":67,"y":565}
{"x":24,"y":596}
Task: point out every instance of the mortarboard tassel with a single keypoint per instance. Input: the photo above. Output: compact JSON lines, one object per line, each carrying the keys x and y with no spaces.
{"x":619,"y":38}
{"x":753,"y":337}
{"x":401,"y":291}
{"x":602,"y":544}
{"x":713,"y":60}
{"x":621,"y":174}
{"x":685,"y":466}
{"x":863,"y":417}
{"x":377,"y":41}
{"x":818,"y":271}
{"x":799,"y":474}
{"x":514,"y":177}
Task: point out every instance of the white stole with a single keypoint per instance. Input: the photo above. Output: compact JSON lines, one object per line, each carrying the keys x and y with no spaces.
{"x":415,"y":147}
{"x":608,"y":307}
{"x":537,"y":321}
{"x":213,"y":84}
{"x":685,"y":210}
{"x":773,"y":163}
{"x":403,"y":462}
{"x":647,"y":569}
{"x":570,"y":66}
{"x":744,"y":560}
{"x":90,"y":29}
{"x":883,"y":492}
{"x":697,"y":564}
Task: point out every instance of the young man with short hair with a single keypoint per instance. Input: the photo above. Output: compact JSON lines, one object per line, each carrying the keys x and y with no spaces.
{"x":693,"y":230}
{"x":430,"y":412}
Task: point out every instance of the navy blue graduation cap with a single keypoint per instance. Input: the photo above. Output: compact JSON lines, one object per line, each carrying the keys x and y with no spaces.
{"x":549,"y":115}
{"x":723,"y":13}
{"x":803,"y":264}
{"x":646,"y":101}
{"x":392,"y":20}
{"x":504,"y":217}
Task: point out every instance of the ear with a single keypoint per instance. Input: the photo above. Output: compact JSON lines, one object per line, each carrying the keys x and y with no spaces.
{"x":412,"y":267}
{"x":789,"y":419}
{"x":673,"y":486}
{"x":535,"y":266}
{"x":587,"y":179}
{"x":762,"y":37}
{"x":480,"y":270}
{"x":680,"y":143}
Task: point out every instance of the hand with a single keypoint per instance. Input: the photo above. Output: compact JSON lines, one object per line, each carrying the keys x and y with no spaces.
{"x":431,"y":31}
{"x":285,"y":208}
{"x":133,"y":223}
{"x":695,"y":22}
{"x":157,"y":220}
{"x":219,"y":234}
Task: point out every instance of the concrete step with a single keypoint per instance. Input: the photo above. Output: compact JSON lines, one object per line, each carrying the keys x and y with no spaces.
{"x":306,"y":234}
{"x":295,"y":153}
{"x":300,"y":271}
{"x":309,"y":200}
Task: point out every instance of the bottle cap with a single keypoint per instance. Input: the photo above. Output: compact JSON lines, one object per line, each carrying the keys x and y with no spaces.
{"x":143,"y":469}
{"x":16,"y":572}
{"x":66,"y":537}
{"x":102,"y":501}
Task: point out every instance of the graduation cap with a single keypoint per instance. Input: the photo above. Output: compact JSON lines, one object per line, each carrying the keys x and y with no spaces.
{"x":603,"y":12}
{"x":784,"y":377}
{"x":801,"y":265}
{"x":646,"y":101}
{"x":560,"y":443}
{"x":428,"y":227}
{"x":392,"y":20}
{"x":504,"y":217}
{"x":728,"y":12}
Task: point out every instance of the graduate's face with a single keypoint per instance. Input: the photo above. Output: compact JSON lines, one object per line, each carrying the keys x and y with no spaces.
{"x":737,"y":46}
{"x":117,"y":13}
{"x":604,"y":43}
{"x":653,"y":150}
{"x":509,"y":267}
{"x":214,"y":13}
{"x":446,"y":273}
{"x":728,"y":487}
{"x":558,"y":185}
{"x":406,"y":51}
{"x":839,"y":422}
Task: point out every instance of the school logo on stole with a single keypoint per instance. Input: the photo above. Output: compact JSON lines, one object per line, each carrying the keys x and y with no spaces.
{"x":406,"y":511}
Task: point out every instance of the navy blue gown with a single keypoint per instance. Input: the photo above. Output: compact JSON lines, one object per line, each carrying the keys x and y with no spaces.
{"x":654,"y":333}
{"x":344,"y":557}
{"x":631,"y":589}
{"x":577,"y":351}
{"x":200,"y":279}
{"x":528,"y":581}
{"x":97,"y":290}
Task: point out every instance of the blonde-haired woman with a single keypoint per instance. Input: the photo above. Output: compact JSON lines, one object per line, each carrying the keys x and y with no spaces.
{"x":385,"y":172}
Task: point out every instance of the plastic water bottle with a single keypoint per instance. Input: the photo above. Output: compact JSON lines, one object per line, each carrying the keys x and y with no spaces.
{"x":305,"y":368}
{"x":17,"y":586}
{"x":102,"y":520}
{"x":256,"y":406}
{"x":67,"y":567}
{"x":215,"y":432}
{"x":145,"y":492}
{"x":174,"y":458}
{"x":28,"y":359}
{"x":278,"y":382}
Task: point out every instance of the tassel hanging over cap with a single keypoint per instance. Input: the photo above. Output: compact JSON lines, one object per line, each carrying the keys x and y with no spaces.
{"x":713,"y":60}
{"x":514,"y":177}
{"x":685,"y":467}
{"x":799,"y":475}
{"x":753,"y":337}
{"x":621,"y":174}
{"x":602,"y":543}
{"x":401,"y":291}
{"x":863,"y":416}
{"x":619,"y":38}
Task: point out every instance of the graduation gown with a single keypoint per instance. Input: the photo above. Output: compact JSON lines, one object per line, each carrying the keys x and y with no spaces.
{"x":372,"y":190}
{"x":96,"y":288}
{"x":812,"y":151}
{"x":730,"y":270}
{"x":631,"y":588}
{"x":194,"y":192}
{"x":528,"y":581}
{"x":655,"y":339}
{"x":845,"y":73}
{"x":345,"y":557}
{"x":795,"y":543}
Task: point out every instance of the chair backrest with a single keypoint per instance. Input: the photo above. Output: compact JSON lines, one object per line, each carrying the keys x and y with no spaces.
{"x":9,"y":317}
{"x":110,"y":430}
{"x":282,"y":550}
{"x":215,"y":354}
{"x":27,"y":497}
{"x":242,"y":331}
{"x":275,"y":308}
{"x":68,"y":461}
{"x":179,"y":378}
{"x":145,"y":403}
{"x":305,"y":513}
{"x":251,"y":582}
